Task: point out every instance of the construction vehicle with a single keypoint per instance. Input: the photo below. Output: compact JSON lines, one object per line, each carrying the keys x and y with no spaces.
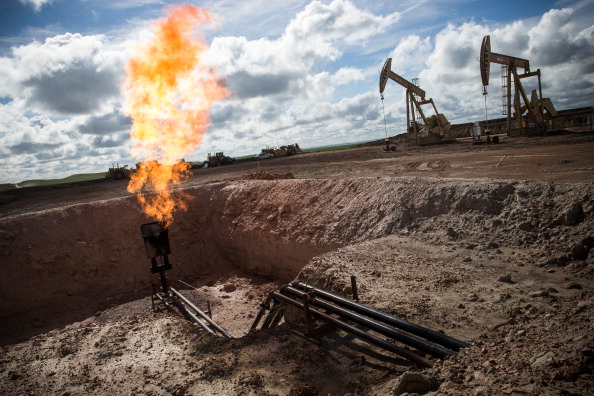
{"x":214,"y":159}
{"x":283,"y":151}
{"x":118,"y":172}
{"x":218,"y":159}
{"x":419,"y":128}
{"x":535,"y":115}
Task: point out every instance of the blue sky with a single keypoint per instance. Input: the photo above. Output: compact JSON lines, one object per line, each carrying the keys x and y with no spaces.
{"x":299,"y":71}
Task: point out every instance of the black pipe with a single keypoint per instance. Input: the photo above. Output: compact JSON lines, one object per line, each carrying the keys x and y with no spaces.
{"x":411,"y":340}
{"x":413,"y":357}
{"x":186,"y":311}
{"x":199,"y":312}
{"x":420,"y":331}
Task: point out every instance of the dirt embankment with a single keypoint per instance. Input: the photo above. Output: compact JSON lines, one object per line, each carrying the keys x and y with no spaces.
{"x":498,"y":263}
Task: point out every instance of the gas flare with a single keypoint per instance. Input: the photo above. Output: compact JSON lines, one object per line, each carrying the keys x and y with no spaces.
{"x":169,"y":93}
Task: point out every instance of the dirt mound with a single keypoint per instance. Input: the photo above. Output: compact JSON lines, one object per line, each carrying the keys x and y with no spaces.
{"x":267,"y":176}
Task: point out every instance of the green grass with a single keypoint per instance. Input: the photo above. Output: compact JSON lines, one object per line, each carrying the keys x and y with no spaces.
{"x":69,"y":179}
{"x":329,"y":148}
{"x":100,"y":175}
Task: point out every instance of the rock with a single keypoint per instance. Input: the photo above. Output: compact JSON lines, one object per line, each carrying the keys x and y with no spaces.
{"x":572,"y":285}
{"x":449,"y":385}
{"x":579,"y":252}
{"x":540,"y":293}
{"x":413,"y":382}
{"x":572,"y":216}
{"x":588,"y":242}
{"x":496,"y":222}
{"x":472,"y":298}
{"x":560,"y":261}
{"x":542,"y":360}
{"x":526,"y":226}
{"x":492,"y":245}
{"x":467,"y":259}
{"x":582,"y":306}
{"x":305,"y":390}
{"x":452,"y":233}
{"x":505,"y":278}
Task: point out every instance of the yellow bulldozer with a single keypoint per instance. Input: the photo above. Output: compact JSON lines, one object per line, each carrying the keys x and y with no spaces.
{"x":283,"y":151}
{"x":118,"y":172}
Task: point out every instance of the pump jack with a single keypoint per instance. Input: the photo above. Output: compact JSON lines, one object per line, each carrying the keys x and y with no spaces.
{"x":536,"y":120}
{"x":434,"y":127}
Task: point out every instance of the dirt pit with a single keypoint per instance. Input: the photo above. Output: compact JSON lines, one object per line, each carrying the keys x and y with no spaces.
{"x":504,"y":264}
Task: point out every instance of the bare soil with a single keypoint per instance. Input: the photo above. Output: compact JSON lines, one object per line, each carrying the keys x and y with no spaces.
{"x":491,"y":244}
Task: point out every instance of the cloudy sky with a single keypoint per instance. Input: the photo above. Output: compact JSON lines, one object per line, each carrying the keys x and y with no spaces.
{"x":299,"y":71}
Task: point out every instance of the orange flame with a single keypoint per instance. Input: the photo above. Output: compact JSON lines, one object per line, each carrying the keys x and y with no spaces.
{"x":169,"y":93}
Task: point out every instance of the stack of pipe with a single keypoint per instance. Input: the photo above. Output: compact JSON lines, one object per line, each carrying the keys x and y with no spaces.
{"x":345,"y":314}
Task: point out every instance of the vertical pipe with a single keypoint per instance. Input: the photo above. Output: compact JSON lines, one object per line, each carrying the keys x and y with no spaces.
{"x":509,"y":114}
{"x":305,"y":299}
{"x":354,"y":288}
{"x":407,"y":118}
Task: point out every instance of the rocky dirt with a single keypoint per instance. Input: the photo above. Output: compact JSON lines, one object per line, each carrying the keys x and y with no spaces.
{"x":499,"y":256}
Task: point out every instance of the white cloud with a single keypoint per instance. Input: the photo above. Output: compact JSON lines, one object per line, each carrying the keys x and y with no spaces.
{"x":63,"y":99}
{"x":37,"y":4}
{"x":411,"y":54}
{"x":67,"y":74}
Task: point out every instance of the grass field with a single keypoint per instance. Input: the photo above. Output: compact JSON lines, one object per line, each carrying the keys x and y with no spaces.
{"x":330,"y":148}
{"x":69,"y":179}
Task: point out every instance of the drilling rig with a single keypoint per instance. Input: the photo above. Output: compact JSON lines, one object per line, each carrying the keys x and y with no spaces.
{"x":433,"y":128}
{"x":534,"y":116}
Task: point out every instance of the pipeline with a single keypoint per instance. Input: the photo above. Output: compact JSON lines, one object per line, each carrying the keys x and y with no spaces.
{"x":413,"y":341}
{"x":199,"y":312}
{"x":420,"y":331}
{"x":413,"y":357}
{"x":189,"y":313}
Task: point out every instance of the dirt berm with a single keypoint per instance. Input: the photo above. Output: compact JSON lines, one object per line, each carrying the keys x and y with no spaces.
{"x":503,"y":264}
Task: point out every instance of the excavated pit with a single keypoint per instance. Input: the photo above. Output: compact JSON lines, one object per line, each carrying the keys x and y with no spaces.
{"x":62,"y":265}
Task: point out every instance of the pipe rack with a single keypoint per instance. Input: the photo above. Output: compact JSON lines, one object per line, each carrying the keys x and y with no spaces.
{"x":359,"y":320}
